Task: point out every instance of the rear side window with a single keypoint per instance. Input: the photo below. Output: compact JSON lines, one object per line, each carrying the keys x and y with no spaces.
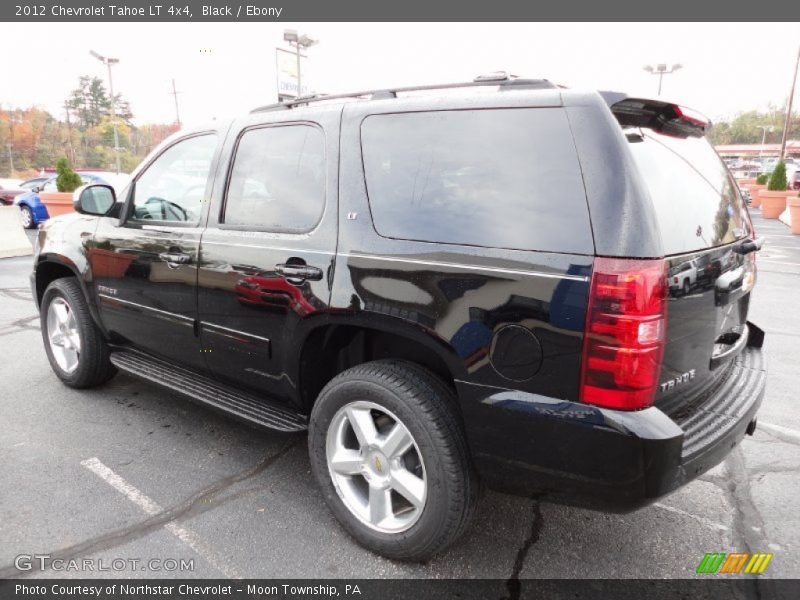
{"x":696,"y":204}
{"x":278,"y":179}
{"x":503,"y":178}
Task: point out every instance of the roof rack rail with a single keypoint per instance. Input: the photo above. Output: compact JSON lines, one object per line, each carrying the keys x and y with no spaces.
{"x":502,"y":80}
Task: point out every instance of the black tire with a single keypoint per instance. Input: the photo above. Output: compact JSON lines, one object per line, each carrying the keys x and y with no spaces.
{"x":94,"y":367}
{"x":28,"y":222}
{"x":686,"y":287}
{"x":428,"y":409}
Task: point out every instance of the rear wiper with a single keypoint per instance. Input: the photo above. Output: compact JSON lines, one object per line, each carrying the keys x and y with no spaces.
{"x":749,"y":245}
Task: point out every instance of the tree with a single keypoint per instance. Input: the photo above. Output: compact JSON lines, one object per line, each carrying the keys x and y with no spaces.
{"x":777,"y":181}
{"x":67,"y":179}
{"x":89,"y":102}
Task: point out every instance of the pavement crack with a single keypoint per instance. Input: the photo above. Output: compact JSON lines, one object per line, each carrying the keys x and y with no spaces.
{"x":200,"y":502}
{"x":513,"y":583}
{"x":747,"y":531}
{"x":21,"y":324}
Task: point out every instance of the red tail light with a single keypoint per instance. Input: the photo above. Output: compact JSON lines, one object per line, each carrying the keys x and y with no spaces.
{"x":623,"y":342}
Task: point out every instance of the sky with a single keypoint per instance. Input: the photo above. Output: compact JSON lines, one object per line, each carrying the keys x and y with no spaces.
{"x":226,"y":69}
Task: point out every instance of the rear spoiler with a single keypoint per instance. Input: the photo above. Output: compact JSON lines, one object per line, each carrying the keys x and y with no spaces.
{"x":663,"y":117}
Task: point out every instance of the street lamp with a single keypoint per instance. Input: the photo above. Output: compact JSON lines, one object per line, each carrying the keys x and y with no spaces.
{"x":661,"y":70}
{"x":765,"y":129}
{"x":108,"y":62}
{"x":298,"y":41}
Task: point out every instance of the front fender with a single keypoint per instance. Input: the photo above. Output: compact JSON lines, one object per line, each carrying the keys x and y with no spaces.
{"x":61,"y":245}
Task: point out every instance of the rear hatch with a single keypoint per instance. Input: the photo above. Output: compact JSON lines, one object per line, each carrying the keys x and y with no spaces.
{"x":705,"y":231}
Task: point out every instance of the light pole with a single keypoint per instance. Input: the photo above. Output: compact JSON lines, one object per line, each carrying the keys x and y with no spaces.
{"x":661,"y":70}
{"x":788,"y":120}
{"x":764,"y":128}
{"x":108,"y":62}
{"x":298,"y":41}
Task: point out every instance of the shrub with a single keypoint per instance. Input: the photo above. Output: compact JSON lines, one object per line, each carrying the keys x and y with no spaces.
{"x":777,"y":181}
{"x":762,"y":179}
{"x":67,"y":180}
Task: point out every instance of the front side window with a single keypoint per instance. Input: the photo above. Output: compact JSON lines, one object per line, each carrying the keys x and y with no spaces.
{"x":278,"y":179}
{"x":173,"y":186}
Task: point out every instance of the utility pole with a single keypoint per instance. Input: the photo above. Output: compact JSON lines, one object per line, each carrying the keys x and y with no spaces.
{"x":108,"y":62}
{"x":788,"y":120}
{"x":69,"y":135}
{"x":10,"y":160}
{"x":175,"y":93}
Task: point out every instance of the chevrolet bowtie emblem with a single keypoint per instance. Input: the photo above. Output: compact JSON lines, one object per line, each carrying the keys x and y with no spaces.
{"x":378,"y":465}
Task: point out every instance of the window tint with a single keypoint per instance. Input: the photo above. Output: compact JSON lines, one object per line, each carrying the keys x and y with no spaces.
{"x":278,"y":179}
{"x":172,"y":187}
{"x":505,"y":178}
{"x":695,"y":201}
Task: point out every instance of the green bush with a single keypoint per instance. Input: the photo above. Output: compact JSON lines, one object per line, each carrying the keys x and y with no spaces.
{"x":777,"y":181}
{"x":67,"y":180}
{"x":762,"y":179}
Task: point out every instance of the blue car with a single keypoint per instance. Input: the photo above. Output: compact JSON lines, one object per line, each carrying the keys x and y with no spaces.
{"x":34,"y":212}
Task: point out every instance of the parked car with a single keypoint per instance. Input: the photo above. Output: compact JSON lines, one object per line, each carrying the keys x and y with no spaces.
{"x":481,"y":296}
{"x":29,"y":184}
{"x":683,"y":277}
{"x":8,"y":191}
{"x":33,"y":210}
{"x":794,"y":180}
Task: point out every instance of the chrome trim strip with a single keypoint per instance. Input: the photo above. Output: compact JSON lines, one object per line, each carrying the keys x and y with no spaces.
{"x":184,"y":320}
{"x":266,"y":246}
{"x":434,"y":263}
{"x":205,"y":325}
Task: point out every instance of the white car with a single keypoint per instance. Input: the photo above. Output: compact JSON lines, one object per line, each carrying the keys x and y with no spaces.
{"x":683,"y":277}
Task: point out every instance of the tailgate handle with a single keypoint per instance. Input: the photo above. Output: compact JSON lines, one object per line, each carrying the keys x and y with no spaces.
{"x":748,"y":246}
{"x":734,"y":349}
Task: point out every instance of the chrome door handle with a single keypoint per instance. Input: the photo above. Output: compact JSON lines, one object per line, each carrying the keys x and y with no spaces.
{"x":299,"y":272}
{"x":175,"y":258}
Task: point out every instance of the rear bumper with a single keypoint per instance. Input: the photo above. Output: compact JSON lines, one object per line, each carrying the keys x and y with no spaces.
{"x":611,"y":460}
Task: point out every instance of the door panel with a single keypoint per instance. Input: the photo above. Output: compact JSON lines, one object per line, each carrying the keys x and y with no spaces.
{"x":266,"y":255}
{"x":145,"y":266}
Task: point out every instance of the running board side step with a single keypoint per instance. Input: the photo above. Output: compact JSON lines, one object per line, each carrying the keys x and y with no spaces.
{"x":204,"y":390}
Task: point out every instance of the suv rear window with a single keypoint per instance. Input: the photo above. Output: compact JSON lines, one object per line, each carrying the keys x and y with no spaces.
{"x":503,"y":178}
{"x":696,"y":202}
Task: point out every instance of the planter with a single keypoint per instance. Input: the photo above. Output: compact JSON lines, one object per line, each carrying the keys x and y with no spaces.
{"x":794,"y":213}
{"x":773,"y":203}
{"x":57,"y":203}
{"x":744,"y":182}
{"x":755,"y":198}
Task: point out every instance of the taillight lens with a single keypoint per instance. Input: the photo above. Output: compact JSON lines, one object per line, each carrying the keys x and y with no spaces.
{"x":626,"y":324}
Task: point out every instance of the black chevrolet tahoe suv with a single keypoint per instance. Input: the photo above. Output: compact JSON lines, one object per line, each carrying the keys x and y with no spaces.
{"x":506,"y":283}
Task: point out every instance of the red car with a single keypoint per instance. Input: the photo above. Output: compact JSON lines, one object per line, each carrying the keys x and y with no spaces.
{"x":7,"y":194}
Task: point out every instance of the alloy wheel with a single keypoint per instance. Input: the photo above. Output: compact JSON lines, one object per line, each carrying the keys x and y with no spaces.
{"x":62,"y":332}
{"x":376,"y":467}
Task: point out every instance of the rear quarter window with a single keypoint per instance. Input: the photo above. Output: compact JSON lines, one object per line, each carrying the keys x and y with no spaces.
{"x":696,"y":203}
{"x":503,"y":178}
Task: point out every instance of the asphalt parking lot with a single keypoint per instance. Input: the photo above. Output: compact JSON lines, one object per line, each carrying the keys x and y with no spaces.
{"x":130,"y":471}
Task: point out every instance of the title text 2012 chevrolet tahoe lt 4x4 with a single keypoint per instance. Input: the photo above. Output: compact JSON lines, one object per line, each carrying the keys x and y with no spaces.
{"x":443,"y":289}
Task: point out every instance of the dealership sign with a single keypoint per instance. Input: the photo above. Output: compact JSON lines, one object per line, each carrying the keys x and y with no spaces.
{"x":286,"y":68}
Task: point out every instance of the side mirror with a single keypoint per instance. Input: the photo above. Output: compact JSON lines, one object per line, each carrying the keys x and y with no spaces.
{"x":94,"y":199}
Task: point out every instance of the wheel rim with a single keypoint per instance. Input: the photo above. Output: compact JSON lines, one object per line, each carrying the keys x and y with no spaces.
{"x":376,"y":467}
{"x":27,"y":218}
{"x":62,"y":332}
